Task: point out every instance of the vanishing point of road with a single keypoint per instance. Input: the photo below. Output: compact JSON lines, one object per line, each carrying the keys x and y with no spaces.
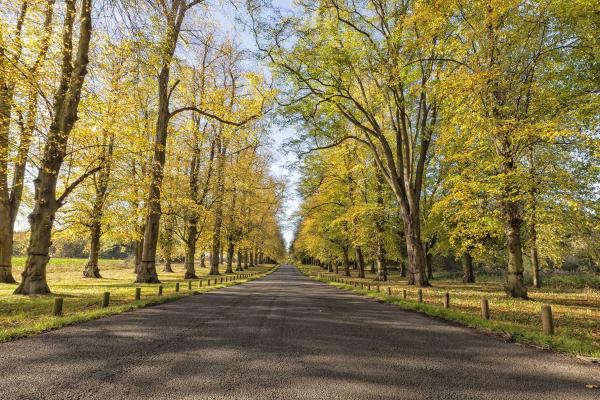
{"x":283,"y":337}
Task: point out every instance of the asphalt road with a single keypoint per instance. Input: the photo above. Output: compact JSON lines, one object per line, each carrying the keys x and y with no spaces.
{"x":282,"y":337}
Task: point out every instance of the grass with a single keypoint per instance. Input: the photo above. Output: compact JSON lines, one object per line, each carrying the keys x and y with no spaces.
{"x":576,"y":311}
{"x":26,"y":315}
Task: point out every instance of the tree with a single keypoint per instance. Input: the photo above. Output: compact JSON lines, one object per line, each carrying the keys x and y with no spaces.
{"x":66,"y":101}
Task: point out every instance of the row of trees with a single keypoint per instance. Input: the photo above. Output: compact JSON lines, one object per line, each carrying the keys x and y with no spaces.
{"x":478,"y":119}
{"x":137,"y":127}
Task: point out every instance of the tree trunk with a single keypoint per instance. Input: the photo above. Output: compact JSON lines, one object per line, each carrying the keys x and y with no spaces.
{"x":381,"y":267}
{"x":515,"y":284}
{"x":239,"y":261}
{"x":345,"y":261}
{"x":91,"y":269}
{"x":230,"y":250}
{"x":245,"y":258}
{"x":147,"y":270}
{"x":360,"y":262}
{"x":467,"y":266}
{"x":416,"y":255}
{"x":190,"y":248}
{"x":202,"y":260}
{"x":429,"y":261}
{"x":535,"y":266}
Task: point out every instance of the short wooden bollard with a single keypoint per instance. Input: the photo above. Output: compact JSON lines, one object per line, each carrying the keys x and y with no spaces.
{"x":57,"y":309}
{"x":447,"y":300}
{"x":189,"y":285}
{"x":200,"y":283}
{"x":160,"y":290}
{"x":208,"y":282}
{"x":420,"y":295}
{"x":221,"y":280}
{"x":105,"y":299}
{"x":389,"y":291}
{"x":547,"y":320}
{"x":485,"y":308}
{"x":177,"y":287}
{"x":404,"y":294}
{"x":138,"y":293}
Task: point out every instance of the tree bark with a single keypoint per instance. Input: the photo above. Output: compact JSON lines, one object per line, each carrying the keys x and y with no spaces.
{"x":346,"y":261}
{"x":239,"y":261}
{"x":91,"y":269}
{"x":360,"y":262}
{"x":515,"y":284}
{"x":467,"y":265}
{"x":230,"y":251}
{"x":190,"y":247}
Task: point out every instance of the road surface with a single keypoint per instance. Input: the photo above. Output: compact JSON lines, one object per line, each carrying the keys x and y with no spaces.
{"x":282,"y":337}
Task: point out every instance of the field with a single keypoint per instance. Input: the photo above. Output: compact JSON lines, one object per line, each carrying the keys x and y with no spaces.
{"x":22,"y":315}
{"x":576,"y":311}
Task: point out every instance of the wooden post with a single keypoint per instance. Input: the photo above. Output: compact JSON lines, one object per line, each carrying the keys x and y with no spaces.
{"x":105,"y":299}
{"x":420,"y":295}
{"x":404,"y":294}
{"x":160,"y":290}
{"x":547,"y":320}
{"x":58,"y":307}
{"x":447,"y":300}
{"x":389,"y":291}
{"x":138,"y":293}
{"x":177,"y":287}
{"x":200,"y":283}
{"x":189,"y":285}
{"x":485,"y":308}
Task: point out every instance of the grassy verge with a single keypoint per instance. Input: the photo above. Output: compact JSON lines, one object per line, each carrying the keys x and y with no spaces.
{"x":576,"y":313}
{"x":22,"y":316}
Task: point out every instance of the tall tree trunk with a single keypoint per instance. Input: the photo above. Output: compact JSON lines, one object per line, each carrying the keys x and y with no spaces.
{"x":360,"y":261}
{"x":218,"y":204}
{"x":381,"y":264}
{"x":202,"y":260}
{"x":245,"y":258}
{"x":416,"y":255}
{"x":467,"y":266}
{"x":515,"y":284}
{"x":239,"y":261}
{"x":535,"y":259}
{"x":346,"y":261}
{"x":230,"y":251}
{"x":91,"y":269}
{"x":102,"y":181}
{"x":428,"y":262}
{"x":190,"y":247}
{"x":66,"y":102}
{"x":167,"y":242}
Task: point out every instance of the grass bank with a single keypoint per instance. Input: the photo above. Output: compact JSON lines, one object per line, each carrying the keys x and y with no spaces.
{"x":576,"y":312}
{"x":27,"y":315}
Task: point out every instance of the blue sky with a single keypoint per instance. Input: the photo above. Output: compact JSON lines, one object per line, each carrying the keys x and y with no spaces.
{"x":280,"y":134}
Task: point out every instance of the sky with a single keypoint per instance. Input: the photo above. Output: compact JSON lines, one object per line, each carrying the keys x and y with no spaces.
{"x":282,"y":166}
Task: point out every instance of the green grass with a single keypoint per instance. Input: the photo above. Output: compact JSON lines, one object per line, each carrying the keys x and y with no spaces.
{"x":576,"y":311}
{"x":26,"y":315}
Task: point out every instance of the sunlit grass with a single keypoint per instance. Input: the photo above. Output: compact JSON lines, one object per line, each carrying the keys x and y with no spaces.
{"x":576,"y":311}
{"x":24,"y":315}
